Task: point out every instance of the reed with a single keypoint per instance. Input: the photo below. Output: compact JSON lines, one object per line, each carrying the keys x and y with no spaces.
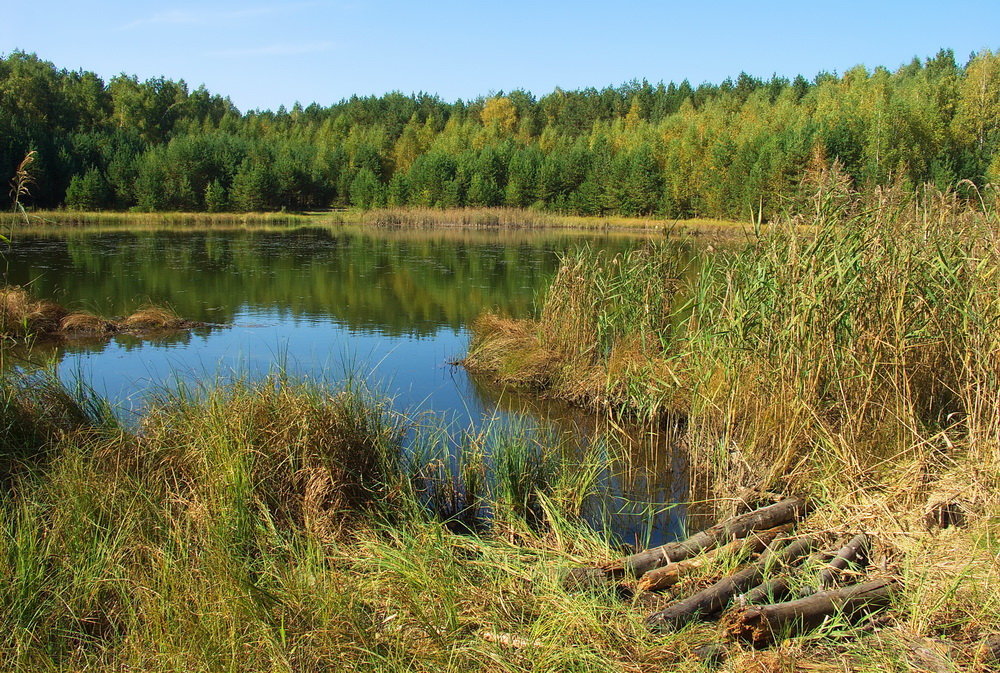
{"x":852,"y":360}
{"x":401,"y":218}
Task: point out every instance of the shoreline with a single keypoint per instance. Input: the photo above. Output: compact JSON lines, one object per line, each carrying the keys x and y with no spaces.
{"x":403,"y":218}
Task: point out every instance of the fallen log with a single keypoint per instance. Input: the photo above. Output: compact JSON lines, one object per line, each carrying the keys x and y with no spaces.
{"x":788,"y":510}
{"x":669,"y":575}
{"x":780,"y":587}
{"x":853,"y":553}
{"x":715,"y":598}
{"x":761,"y":625}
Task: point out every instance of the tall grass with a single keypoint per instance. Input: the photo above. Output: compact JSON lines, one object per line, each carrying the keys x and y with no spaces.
{"x":282,"y":526}
{"x":861,"y":337}
{"x":854,"y":360}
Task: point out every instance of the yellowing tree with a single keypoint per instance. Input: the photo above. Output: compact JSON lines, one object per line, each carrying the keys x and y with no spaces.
{"x":978,"y":114}
{"x":499,"y":114}
{"x":634,"y":116}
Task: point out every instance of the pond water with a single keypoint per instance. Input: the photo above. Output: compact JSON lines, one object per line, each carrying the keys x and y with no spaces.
{"x":389,"y":306}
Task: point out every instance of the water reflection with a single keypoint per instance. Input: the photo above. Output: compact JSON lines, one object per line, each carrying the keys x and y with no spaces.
{"x":390,"y":306}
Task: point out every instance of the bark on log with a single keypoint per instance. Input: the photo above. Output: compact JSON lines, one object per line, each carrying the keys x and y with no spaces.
{"x":787,"y":511}
{"x":715,"y":598}
{"x":669,"y":575}
{"x":854,"y":552}
{"x":781,"y":587}
{"x":764,"y":624}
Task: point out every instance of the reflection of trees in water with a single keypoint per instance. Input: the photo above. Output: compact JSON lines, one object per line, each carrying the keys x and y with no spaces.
{"x":391,"y":281}
{"x":651,"y":495}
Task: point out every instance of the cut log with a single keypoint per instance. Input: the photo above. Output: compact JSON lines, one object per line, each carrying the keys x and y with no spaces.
{"x":762,"y":625}
{"x":854,"y":553}
{"x":715,"y":598}
{"x":781,"y":587}
{"x":771,"y":591}
{"x":669,"y":575}
{"x":788,"y":510}
{"x":945,"y":513}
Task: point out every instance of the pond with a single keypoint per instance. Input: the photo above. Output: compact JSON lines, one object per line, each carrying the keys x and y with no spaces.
{"x":389,"y":306}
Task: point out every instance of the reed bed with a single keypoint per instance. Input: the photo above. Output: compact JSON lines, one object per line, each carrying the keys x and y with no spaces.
{"x":853,"y":360}
{"x":42,"y":218}
{"x":403,"y":218}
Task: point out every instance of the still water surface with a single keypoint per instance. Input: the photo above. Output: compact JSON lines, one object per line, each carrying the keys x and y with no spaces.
{"x":390,"y":306}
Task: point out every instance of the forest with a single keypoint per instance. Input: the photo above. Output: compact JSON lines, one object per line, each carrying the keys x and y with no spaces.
{"x":744,"y":149}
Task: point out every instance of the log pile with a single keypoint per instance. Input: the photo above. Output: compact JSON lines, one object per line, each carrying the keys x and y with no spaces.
{"x":772,"y":594}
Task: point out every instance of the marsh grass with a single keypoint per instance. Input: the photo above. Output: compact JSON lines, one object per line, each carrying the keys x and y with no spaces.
{"x":393,"y":218}
{"x":852,"y":360}
{"x":276,"y":525}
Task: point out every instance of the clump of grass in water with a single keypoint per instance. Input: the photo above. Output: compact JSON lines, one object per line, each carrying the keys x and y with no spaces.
{"x":24,"y":317}
{"x":153,"y":317}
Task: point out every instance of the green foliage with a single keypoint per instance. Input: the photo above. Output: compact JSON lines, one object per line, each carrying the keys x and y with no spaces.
{"x":89,"y":191}
{"x":734,"y":150}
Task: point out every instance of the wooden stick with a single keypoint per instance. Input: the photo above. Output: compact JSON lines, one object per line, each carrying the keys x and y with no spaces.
{"x":780,"y":587}
{"x":761,"y":625}
{"x":854,"y":552}
{"x":669,"y":575}
{"x":716,"y":597}
{"x":787,"y":511}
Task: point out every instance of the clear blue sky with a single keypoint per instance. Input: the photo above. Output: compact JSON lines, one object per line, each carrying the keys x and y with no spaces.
{"x":264,"y":53}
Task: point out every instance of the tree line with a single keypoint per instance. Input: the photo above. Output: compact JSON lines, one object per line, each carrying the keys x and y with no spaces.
{"x":745,"y":147}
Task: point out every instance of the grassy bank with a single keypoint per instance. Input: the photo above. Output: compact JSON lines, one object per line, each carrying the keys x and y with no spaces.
{"x":469,"y":218}
{"x":279,"y":526}
{"x":853,"y":361}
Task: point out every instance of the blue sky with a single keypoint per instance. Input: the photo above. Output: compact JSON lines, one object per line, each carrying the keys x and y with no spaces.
{"x":264,"y":53}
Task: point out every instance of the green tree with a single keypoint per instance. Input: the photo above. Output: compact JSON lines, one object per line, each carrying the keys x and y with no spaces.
{"x":89,"y":191}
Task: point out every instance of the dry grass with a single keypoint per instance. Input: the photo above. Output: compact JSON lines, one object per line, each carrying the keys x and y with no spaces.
{"x":470,"y":219}
{"x":153,"y":318}
{"x":24,"y":317}
{"x":81,"y":321}
{"x":514,"y":218}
